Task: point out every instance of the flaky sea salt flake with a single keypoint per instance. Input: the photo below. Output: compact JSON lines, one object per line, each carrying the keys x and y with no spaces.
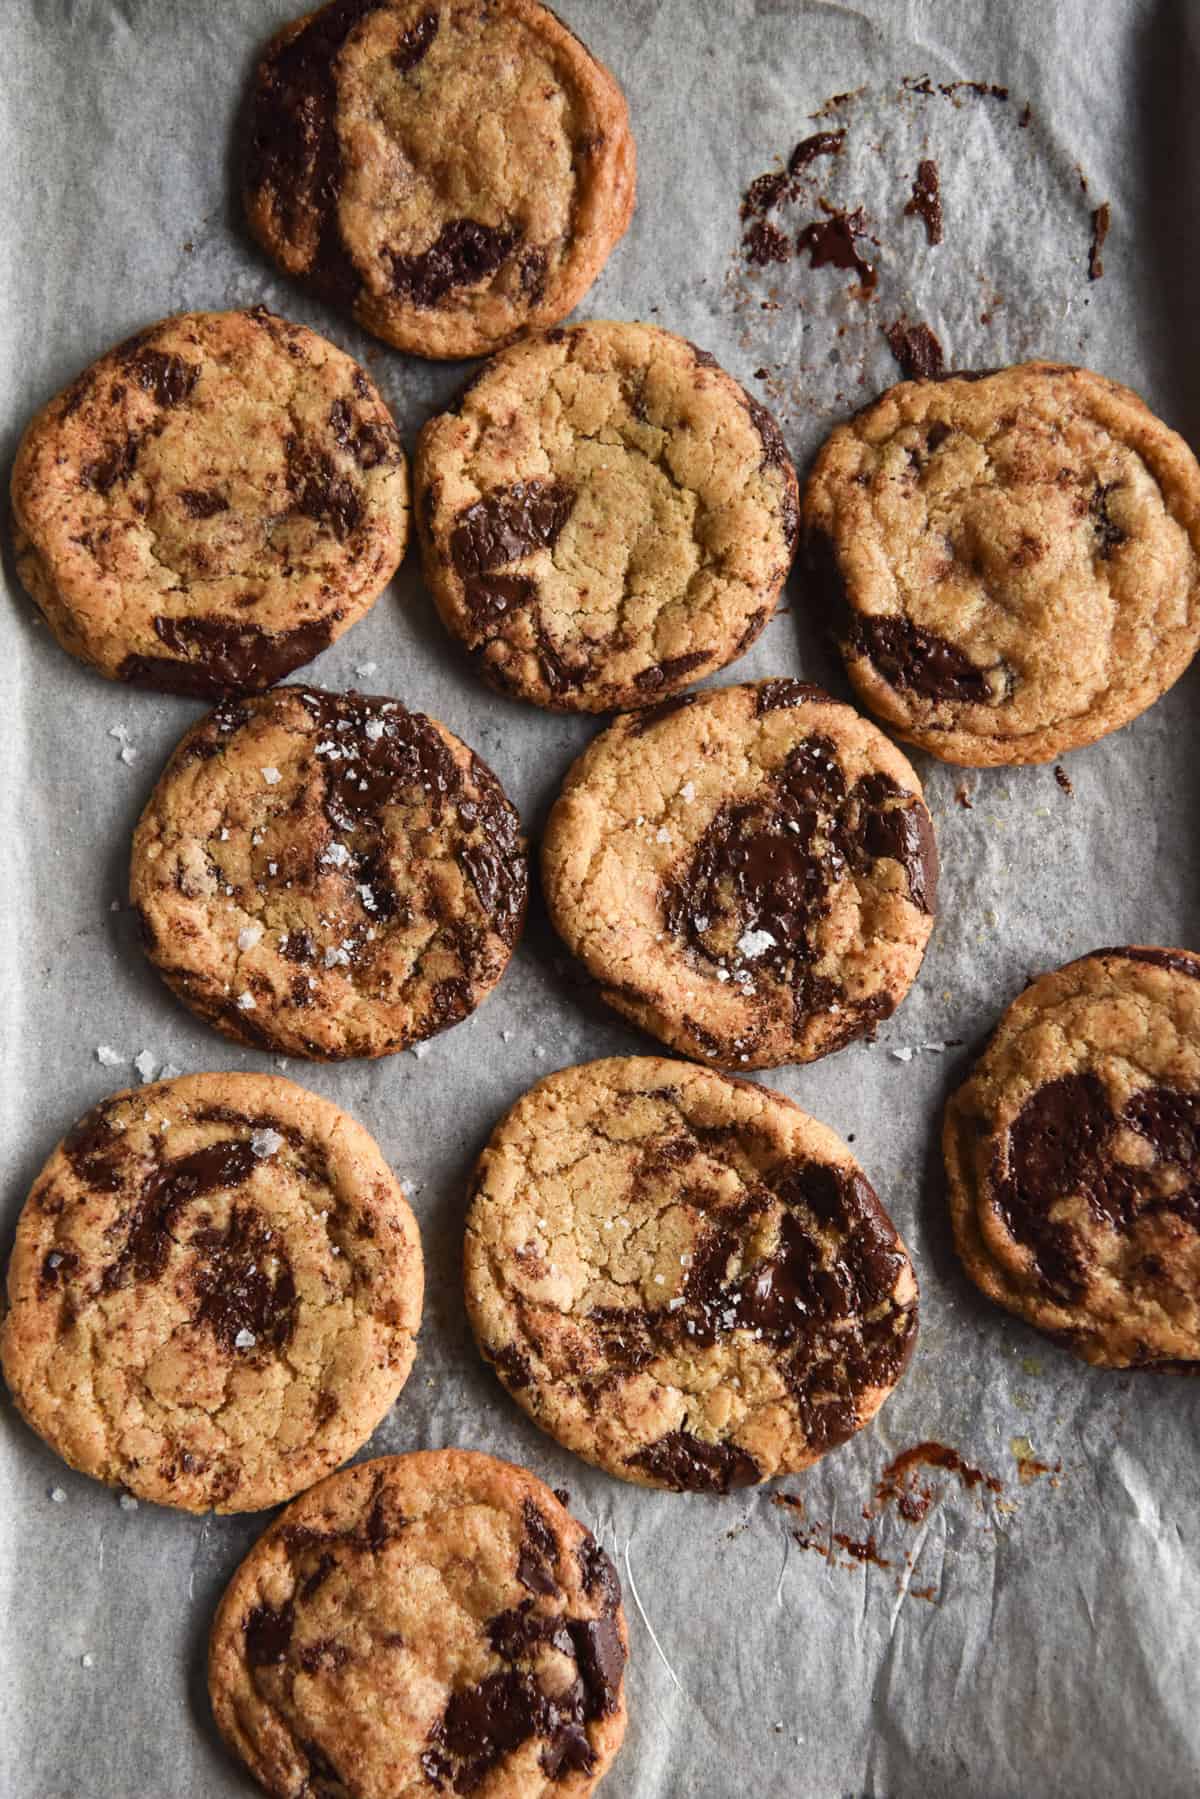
{"x":108,"y":1057}
{"x":271,"y":776}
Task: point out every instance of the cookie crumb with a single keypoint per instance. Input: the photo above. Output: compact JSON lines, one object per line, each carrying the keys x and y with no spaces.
{"x":1063,"y":778}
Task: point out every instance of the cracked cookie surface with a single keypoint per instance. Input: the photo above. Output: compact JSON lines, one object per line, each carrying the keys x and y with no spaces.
{"x":1012,"y":559}
{"x":214,"y":1293}
{"x":683,"y":1277}
{"x":420,"y":1624}
{"x":750,"y":873}
{"x":605,"y":517}
{"x":328,"y":874}
{"x":210,"y":504}
{"x":1073,"y":1157}
{"x":450,"y":173}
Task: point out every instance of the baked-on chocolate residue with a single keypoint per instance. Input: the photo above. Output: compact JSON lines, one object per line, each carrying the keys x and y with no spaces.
{"x":916,"y":349}
{"x":1101,"y":220}
{"x":765,"y":243}
{"x":821,"y":143}
{"x":899,"y":1485}
{"x":927,"y":200}
{"x":832,"y":242}
{"x":213,"y":656}
{"x":917,"y":660}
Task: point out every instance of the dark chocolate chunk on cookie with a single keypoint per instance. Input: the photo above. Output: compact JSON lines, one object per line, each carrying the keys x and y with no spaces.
{"x":1073,"y":1154}
{"x":328,"y":874}
{"x":1011,"y":559}
{"x":752,"y":877}
{"x":409,"y":1575}
{"x":452,"y":174}
{"x":211,"y":504}
{"x":683,"y":1277}
{"x":214,"y":1293}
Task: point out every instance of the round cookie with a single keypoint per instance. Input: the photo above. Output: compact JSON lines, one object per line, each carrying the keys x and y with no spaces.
{"x":211,"y":504}
{"x":750,"y":873}
{"x":423,"y":1623}
{"x":214,"y":1292}
{"x":450,"y":173}
{"x":328,"y":874}
{"x":1013,"y":559}
{"x":683,"y":1277}
{"x":1073,"y":1156}
{"x":605,"y":517}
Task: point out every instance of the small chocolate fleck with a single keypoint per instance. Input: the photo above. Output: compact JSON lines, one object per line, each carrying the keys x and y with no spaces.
{"x":916,"y":349}
{"x":927,"y":200}
{"x":1101,"y":220}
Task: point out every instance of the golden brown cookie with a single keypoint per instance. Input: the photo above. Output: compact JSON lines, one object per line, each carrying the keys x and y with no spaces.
{"x":328,"y":874}
{"x":450,"y":172}
{"x":683,"y":1277}
{"x":430,"y":1623}
{"x":211,"y":504}
{"x":606,"y":517}
{"x":1013,"y":559}
{"x":750,"y":873}
{"x":1073,"y":1155}
{"x":214,"y":1292}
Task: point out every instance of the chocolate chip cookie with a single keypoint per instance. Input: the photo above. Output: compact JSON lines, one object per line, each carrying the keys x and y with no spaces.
{"x":1073,"y":1154}
{"x":214,"y":1292}
{"x":750,"y":873}
{"x":211,"y":504}
{"x":430,"y":1623}
{"x":328,"y":874}
{"x":451,"y":173}
{"x":605,"y":517}
{"x":1012,"y":559}
{"x":683,"y":1277}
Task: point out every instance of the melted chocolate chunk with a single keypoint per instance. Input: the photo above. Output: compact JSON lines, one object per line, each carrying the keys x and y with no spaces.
{"x":116,"y":464}
{"x":491,"y":600}
{"x":94,"y":1151}
{"x":767,"y":868}
{"x":164,"y":1196}
{"x":414,"y":43}
{"x":369,"y":441}
{"x":509,"y":524}
{"x":464,"y":253}
{"x":773,"y":696}
{"x":832,"y":242}
{"x":916,"y":349}
{"x":168,"y":377}
{"x":268,"y":1634}
{"x":487,"y":1722}
{"x":687,"y":1464}
{"x":202,"y":502}
{"x":213,"y":656}
{"x":295,"y":154}
{"x":245,"y":1284}
{"x":537,"y":1557}
{"x":600,"y":1658}
{"x":57,"y":1268}
{"x":675,"y":668}
{"x":1179,"y":960}
{"x":643,"y":720}
{"x":918,"y":661}
{"x":598,"y":1573}
{"x":927,"y":200}
{"x":1109,"y":535}
{"x":322,"y":494}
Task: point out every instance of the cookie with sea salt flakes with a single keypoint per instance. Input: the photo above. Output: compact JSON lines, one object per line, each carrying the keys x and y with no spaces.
{"x":328,"y":874}
{"x":683,"y":1277}
{"x":1073,"y":1156}
{"x":214,"y":1293}
{"x":750,"y":873}
{"x":451,"y":173}
{"x":1013,"y":559}
{"x":605,"y":517}
{"x":429,"y":1623}
{"x":210,"y":504}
